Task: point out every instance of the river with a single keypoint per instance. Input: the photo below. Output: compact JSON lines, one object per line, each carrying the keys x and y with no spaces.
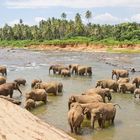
{"x":30,"y":65}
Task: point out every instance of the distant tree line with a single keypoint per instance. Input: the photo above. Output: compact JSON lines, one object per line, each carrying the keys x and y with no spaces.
{"x":54,"y":28}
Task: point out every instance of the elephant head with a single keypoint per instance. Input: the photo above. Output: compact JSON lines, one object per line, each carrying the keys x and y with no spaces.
{"x":113,"y":73}
{"x":135,"y":81}
{"x":51,"y":67}
{"x":98,"y":83}
{"x":108,"y":94}
{"x":122,"y":87}
{"x":60,"y":87}
{"x":37,"y":86}
{"x":16,"y":87}
{"x":71,"y":100}
{"x":89,"y":71}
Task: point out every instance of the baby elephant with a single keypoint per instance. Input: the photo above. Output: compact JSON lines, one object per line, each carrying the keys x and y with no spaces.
{"x":75,"y":117}
{"x":20,"y":81}
{"x":3,"y":70}
{"x":65,"y":73}
{"x":30,"y":104}
{"x":37,"y":95}
{"x":34,"y":82}
{"x":137,"y":91}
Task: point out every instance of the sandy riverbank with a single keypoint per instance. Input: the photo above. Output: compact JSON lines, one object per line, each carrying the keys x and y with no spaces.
{"x":87,"y":48}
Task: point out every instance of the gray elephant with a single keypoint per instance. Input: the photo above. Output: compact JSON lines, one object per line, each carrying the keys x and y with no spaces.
{"x":34,"y":82}
{"x":123,"y":80}
{"x":65,"y":73}
{"x":3,"y":70}
{"x":127,"y":87}
{"x":75,"y":117}
{"x":84,"y":70}
{"x":74,"y":68}
{"x":2,"y":80}
{"x":20,"y":81}
{"x":83,"y":99}
{"x":37,"y":95}
{"x":51,"y":87}
{"x":8,"y":88}
{"x":120,"y":73}
{"x":29,"y":104}
{"x":57,"y":68}
{"x":137,"y":92}
{"x":103,"y":113}
{"x":136,"y":81}
{"x":111,"y":84}
{"x":102,"y":92}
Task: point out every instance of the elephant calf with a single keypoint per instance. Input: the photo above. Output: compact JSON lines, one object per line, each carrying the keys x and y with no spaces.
{"x":30,"y":104}
{"x":34,"y":82}
{"x":137,"y":91}
{"x":75,"y":117}
{"x":136,"y":81}
{"x":84,"y":70}
{"x":2,"y":80}
{"x":3,"y":70}
{"x":20,"y":81}
{"x":65,"y":73}
{"x":123,"y":80}
{"x":37,"y":95}
{"x":124,"y":87}
{"x":102,"y":92}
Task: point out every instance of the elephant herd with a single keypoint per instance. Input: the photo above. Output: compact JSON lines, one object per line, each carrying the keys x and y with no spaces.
{"x":39,"y":89}
{"x":92,"y":104}
{"x":72,"y":69}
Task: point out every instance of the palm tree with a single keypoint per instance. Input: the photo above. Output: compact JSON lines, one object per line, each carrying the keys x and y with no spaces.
{"x":88,"y":15}
{"x":63,"y":16}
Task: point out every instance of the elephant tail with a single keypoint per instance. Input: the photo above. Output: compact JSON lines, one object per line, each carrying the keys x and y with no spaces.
{"x":117,"y":105}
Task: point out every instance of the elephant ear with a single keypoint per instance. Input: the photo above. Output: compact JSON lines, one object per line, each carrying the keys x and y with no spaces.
{"x":85,"y":110}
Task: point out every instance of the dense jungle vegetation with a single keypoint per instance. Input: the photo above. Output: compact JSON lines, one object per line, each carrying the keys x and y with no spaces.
{"x":63,"y":31}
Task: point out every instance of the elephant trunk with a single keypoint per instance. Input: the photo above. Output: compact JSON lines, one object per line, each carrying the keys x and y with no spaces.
{"x":109,"y":98}
{"x":19,"y":90}
{"x":112,"y":75}
{"x":69,"y":103}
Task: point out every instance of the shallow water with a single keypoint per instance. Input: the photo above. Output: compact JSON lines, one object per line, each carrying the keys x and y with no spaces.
{"x":34,"y":64}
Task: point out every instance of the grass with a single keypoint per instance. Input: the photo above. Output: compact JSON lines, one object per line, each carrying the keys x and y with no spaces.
{"x":72,"y":41}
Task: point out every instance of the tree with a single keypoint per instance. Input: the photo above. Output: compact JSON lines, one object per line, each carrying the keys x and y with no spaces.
{"x":88,"y":15}
{"x":63,"y":16}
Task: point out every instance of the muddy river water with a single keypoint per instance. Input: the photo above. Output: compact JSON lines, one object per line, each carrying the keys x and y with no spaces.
{"x":34,"y":64}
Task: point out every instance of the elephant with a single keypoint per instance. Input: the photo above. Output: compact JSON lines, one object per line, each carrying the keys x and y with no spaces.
{"x":83,"y":99}
{"x":136,"y":81}
{"x":102,"y":92}
{"x":75,"y":117}
{"x":51,"y":87}
{"x":34,"y":82}
{"x":105,"y":112}
{"x":123,"y":80}
{"x":20,"y":81}
{"x":57,"y":68}
{"x":3,"y":70}
{"x":120,"y":73}
{"x":111,"y":84}
{"x":84,"y":70}
{"x":2,"y":80}
{"x":74,"y":68}
{"x":37,"y":95}
{"x":137,"y":91}
{"x":65,"y":72}
{"x":30,"y":104}
{"x":123,"y":87}
{"x":8,"y":88}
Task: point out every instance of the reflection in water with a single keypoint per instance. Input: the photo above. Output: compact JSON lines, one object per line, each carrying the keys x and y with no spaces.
{"x":35,"y":64}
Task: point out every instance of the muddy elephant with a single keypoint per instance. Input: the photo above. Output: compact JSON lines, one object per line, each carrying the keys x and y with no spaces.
{"x":102,"y":92}
{"x":83,"y":99}
{"x":123,"y":80}
{"x":84,"y":70}
{"x":37,"y":95}
{"x":57,"y":68}
{"x":136,"y":81}
{"x":137,"y":92}
{"x":65,"y":73}
{"x":3,"y":70}
{"x":120,"y":73}
{"x":103,"y":113}
{"x":75,"y":117}
{"x":111,"y":84}
{"x":34,"y":82}
{"x":127,"y":87}
{"x":2,"y":80}
{"x":51,"y":87}
{"x":29,"y":104}
{"x":8,"y":88}
{"x":74,"y":68}
{"x":20,"y":81}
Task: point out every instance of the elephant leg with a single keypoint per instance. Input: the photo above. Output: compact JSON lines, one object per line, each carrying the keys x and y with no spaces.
{"x":139,"y":96}
{"x":71,"y":128}
{"x":100,"y":123}
{"x":103,"y":123}
{"x":11,"y":93}
{"x":75,"y":130}
{"x":113,"y":120}
{"x":92,"y":122}
{"x":88,"y":115}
